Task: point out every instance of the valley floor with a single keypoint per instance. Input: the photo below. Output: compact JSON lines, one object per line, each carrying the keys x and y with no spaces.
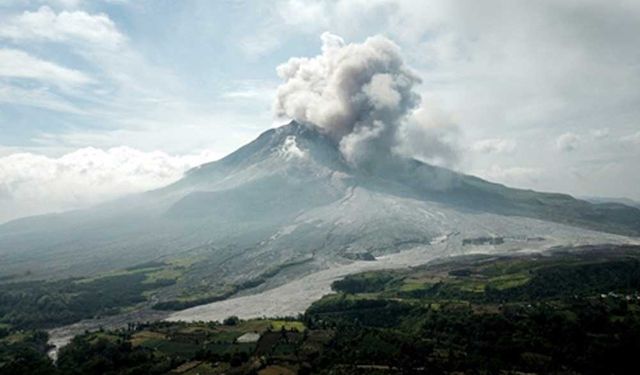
{"x":290,"y":298}
{"x":296,"y":296}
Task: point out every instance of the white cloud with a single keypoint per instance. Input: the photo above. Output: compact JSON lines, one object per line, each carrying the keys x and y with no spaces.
{"x":88,"y":40}
{"x":525,"y":67}
{"x":65,"y":4}
{"x":568,"y":142}
{"x":93,"y":30}
{"x":257,"y":45}
{"x":19,"y":64}
{"x":632,"y":138}
{"x":600,"y":133}
{"x":494,"y":146}
{"x":34,"y":184}
{"x":529,"y":70}
{"x":41,"y":98}
{"x":127,"y":94}
{"x":254,"y":90}
{"x":308,"y":15}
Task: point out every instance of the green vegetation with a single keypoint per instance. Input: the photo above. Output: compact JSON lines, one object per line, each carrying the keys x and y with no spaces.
{"x":25,"y":353}
{"x":46,"y":304}
{"x":564,"y":312}
{"x":287,"y":325}
{"x":194,"y":300}
{"x":161,"y":347}
{"x":153,"y":271}
{"x":365,"y":282}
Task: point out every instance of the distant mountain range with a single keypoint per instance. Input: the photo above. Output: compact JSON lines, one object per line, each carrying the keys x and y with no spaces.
{"x":625,"y":201}
{"x":289,"y":197}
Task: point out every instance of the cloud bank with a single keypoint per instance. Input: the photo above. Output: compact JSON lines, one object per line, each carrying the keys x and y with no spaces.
{"x":35,"y":184}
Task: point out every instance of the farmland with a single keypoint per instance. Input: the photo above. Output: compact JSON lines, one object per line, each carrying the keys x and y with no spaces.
{"x":472,"y":314}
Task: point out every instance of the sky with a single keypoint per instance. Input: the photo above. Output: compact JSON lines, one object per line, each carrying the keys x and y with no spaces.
{"x":102,"y":98}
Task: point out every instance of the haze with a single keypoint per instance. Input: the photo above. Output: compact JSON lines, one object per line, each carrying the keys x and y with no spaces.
{"x":103,"y":98}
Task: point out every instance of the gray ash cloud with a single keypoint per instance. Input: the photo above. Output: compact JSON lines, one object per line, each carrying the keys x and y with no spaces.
{"x":365,"y":96}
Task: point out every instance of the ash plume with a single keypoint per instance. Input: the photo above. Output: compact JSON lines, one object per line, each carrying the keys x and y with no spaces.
{"x":364,"y":95}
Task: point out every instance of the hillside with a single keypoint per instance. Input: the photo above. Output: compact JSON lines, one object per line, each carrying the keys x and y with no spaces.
{"x":288,"y":204}
{"x":227,"y":207}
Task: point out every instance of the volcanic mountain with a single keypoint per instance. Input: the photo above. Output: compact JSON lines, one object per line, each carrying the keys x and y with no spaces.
{"x":289,"y":198}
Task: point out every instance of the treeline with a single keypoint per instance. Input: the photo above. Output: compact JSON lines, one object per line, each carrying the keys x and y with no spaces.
{"x":622,"y":276}
{"x":87,"y":355}
{"x":545,"y":282}
{"x":372,"y":312}
{"x":367,"y":282}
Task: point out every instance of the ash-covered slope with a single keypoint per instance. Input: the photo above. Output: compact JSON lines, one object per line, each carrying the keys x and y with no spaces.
{"x":308,"y":156}
{"x":288,"y":197}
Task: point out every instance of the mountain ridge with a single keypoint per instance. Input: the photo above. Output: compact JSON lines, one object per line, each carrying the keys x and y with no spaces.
{"x":290,"y":194}
{"x":451,"y":183}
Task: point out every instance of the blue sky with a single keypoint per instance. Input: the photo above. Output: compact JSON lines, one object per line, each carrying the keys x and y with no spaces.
{"x":542,"y":95}
{"x":146,"y":58}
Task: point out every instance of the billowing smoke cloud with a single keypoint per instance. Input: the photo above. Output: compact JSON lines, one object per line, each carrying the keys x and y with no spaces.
{"x":430,"y":135}
{"x":363,"y":95}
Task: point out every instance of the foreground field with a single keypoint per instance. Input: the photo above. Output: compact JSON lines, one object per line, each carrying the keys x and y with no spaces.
{"x":568,"y":311}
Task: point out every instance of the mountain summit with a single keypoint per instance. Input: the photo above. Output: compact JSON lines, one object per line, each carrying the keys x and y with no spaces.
{"x":289,"y":197}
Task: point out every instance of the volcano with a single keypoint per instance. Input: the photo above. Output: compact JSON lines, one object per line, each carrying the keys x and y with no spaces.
{"x":289,"y":199}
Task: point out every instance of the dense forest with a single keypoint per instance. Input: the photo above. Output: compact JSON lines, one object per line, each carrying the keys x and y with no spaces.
{"x":46,"y":304}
